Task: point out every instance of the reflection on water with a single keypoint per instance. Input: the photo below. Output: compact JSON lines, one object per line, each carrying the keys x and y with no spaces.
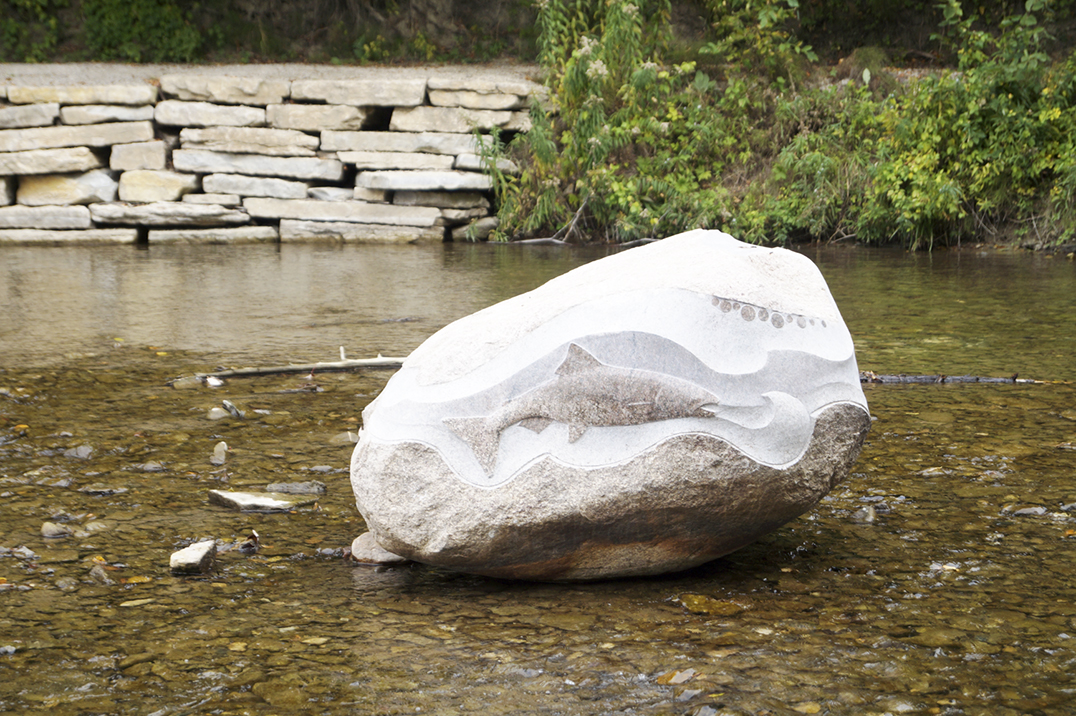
{"x":938,"y":579}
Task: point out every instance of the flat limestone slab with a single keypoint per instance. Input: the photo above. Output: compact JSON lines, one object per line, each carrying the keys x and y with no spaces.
{"x":470,"y":99}
{"x":58,"y":189}
{"x":396,"y":160}
{"x":473,"y":163}
{"x":77,"y":94}
{"x":93,"y":135}
{"x":446,"y":119}
{"x":254,"y":186}
{"x":479,"y":85}
{"x":99,"y":113}
{"x":346,"y":232}
{"x":204,"y":114}
{"x":349,"y":211}
{"x":167,"y":213}
{"x":237,"y":235}
{"x":223,"y":89}
{"x":197,"y":558}
{"x":423,"y":181}
{"x":222,"y":199}
{"x":425,"y":142}
{"x":361,"y":93}
{"x":44,"y":217}
{"x":30,"y":115}
{"x":260,"y":501}
{"x":48,"y":161}
{"x":87,"y":236}
{"x":251,"y":140}
{"x":331,"y":193}
{"x":315,"y":117}
{"x":138,"y":155}
{"x":441,"y":199}
{"x":146,"y":185}
{"x":200,"y":161}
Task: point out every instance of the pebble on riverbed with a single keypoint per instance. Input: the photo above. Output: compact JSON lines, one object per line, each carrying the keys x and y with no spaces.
{"x":197,"y":558}
{"x":51,"y":530}
{"x":311,"y":487}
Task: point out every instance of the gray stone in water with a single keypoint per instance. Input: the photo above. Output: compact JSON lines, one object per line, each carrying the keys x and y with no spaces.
{"x":310,"y":487}
{"x":366,"y":550}
{"x":260,"y":501}
{"x":197,"y":558}
{"x":642,"y":414}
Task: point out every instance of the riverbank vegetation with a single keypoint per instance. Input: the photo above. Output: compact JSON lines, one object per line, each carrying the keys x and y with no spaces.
{"x":765,"y":144}
{"x":920,"y":122}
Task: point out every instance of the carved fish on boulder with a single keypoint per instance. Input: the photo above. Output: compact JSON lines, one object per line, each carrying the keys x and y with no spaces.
{"x":586,"y":393}
{"x":641,"y":414}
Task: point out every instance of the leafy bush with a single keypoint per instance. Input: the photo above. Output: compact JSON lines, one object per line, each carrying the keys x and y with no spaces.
{"x":29,"y":30}
{"x":140,"y":31}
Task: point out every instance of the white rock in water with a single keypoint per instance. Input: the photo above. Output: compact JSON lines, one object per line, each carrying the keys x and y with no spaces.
{"x":349,"y":232}
{"x":197,"y":558}
{"x":641,"y":414}
{"x":260,"y":501}
{"x":220,"y":453}
{"x":235,"y":235}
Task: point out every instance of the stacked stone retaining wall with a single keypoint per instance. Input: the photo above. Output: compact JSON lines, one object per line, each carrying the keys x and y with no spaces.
{"x":212,"y":158}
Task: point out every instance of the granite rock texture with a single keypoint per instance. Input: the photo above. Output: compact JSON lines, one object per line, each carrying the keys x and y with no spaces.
{"x":642,"y":414}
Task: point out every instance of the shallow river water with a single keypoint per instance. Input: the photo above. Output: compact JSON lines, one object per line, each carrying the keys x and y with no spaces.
{"x":938,"y":579}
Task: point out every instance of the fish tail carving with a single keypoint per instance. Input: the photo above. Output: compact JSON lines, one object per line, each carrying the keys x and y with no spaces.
{"x":479,"y":436}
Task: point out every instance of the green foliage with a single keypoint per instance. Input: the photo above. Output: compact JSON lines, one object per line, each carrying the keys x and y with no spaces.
{"x":141,"y":31}
{"x":29,"y":29}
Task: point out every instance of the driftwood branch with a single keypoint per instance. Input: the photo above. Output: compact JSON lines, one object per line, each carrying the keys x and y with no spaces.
{"x":872,"y":377}
{"x":322,"y":367}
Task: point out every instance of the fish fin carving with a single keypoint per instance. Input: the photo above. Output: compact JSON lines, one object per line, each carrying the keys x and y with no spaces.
{"x":575,"y":432}
{"x":578,"y":360}
{"x":537,"y":424}
{"x":482,"y":439}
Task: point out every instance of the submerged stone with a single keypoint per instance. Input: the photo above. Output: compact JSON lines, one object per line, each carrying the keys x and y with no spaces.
{"x":197,"y":558}
{"x":641,"y":414}
{"x":260,"y":501}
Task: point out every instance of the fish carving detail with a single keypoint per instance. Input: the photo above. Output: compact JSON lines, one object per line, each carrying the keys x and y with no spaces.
{"x":586,"y":393}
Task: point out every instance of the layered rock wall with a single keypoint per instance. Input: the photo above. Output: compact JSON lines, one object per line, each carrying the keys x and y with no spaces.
{"x":241,"y":159}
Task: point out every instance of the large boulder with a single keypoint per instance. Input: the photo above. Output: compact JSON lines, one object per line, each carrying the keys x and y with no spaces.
{"x":641,"y":414}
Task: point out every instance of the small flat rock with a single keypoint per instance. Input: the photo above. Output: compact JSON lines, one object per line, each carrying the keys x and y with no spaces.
{"x":366,"y":550}
{"x":310,"y":487}
{"x":101,"y":490}
{"x":52,"y":530}
{"x":701,"y":604}
{"x":260,"y":501}
{"x":197,"y":558}
{"x":82,"y":452}
{"x":48,"y":161}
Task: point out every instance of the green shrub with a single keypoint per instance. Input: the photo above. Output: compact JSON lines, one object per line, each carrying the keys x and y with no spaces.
{"x":140,"y":31}
{"x":29,"y":29}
